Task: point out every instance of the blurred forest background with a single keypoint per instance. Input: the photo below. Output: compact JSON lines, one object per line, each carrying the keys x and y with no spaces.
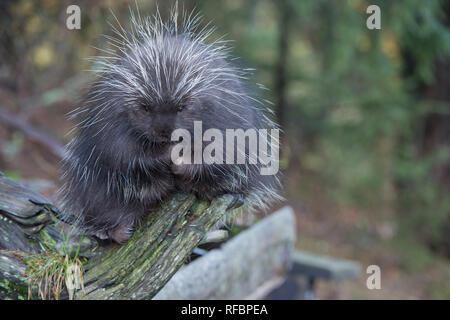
{"x":365,"y":113}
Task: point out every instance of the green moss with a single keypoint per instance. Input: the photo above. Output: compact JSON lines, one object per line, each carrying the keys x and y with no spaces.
{"x":9,"y":287}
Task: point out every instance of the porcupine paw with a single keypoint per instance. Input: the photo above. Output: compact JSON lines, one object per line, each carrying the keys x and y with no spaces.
{"x":237,"y":202}
{"x":120,"y":234}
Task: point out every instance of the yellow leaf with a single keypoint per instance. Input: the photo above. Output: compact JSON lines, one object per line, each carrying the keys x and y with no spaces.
{"x":390,"y":47}
{"x":43,"y":56}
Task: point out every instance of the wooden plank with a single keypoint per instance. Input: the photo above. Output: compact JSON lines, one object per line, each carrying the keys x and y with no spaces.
{"x":321,"y":267}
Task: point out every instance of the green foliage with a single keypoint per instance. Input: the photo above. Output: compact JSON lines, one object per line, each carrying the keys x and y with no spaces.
{"x":50,"y":270}
{"x":360,"y":111}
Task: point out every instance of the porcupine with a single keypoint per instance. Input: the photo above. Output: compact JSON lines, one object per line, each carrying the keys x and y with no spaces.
{"x":161,"y":76}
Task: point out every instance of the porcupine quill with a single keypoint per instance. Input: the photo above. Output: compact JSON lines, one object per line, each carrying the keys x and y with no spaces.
{"x":158,"y":77}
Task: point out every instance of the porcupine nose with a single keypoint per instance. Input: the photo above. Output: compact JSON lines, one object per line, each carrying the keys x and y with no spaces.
{"x":165,"y":133}
{"x":163,"y":124}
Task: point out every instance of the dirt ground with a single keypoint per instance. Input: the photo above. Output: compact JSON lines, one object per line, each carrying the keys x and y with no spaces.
{"x":342,"y":233}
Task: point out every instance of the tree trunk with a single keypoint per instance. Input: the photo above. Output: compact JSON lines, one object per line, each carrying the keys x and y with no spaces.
{"x":285,"y":11}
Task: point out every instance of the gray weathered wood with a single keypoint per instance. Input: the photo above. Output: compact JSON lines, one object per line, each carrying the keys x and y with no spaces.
{"x":241,"y":265}
{"x":23,"y":206}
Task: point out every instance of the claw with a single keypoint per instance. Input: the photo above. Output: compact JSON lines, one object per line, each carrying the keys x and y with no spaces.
{"x":238,"y":201}
{"x":121,"y":234}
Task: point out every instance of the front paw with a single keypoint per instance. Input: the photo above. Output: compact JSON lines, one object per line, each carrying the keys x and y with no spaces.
{"x":120,"y":234}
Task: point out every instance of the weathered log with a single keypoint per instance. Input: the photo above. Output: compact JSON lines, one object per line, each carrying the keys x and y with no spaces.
{"x":135,"y":270}
{"x":243,"y":267}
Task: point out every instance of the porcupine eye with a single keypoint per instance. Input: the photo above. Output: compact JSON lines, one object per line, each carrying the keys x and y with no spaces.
{"x":180,"y":107}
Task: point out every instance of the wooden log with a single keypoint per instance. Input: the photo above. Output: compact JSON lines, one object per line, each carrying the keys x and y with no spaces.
{"x":136,"y":270}
{"x":23,"y":206}
{"x":141,"y":267}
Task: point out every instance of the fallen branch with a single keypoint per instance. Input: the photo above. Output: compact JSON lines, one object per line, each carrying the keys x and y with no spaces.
{"x":32,"y":133}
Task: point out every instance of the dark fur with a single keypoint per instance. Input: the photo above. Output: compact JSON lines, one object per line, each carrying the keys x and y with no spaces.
{"x":119,"y":165}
